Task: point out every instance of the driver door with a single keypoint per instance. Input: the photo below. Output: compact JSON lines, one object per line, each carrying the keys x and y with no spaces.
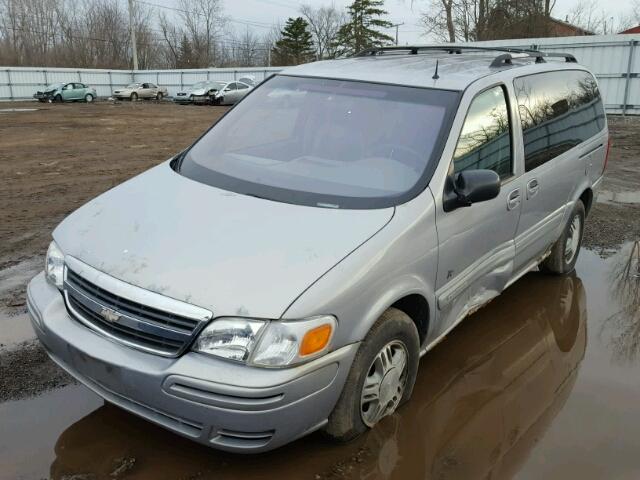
{"x":476,"y":243}
{"x":67,"y":92}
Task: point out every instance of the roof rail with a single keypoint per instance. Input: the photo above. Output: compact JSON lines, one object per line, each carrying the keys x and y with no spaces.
{"x":501,"y":60}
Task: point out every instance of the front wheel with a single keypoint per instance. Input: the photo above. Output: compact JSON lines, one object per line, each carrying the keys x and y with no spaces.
{"x":381,"y":377}
{"x":134,"y":97}
{"x":159,"y":96}
{"x":88,"y":98}
{"x":564,"y":253}
{"x":58,"y":98}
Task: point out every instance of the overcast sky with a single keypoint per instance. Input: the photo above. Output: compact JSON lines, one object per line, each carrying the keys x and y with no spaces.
{"x":263,"y":13}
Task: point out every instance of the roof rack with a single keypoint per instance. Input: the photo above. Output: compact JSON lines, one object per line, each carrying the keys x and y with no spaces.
{"x":501,"y":60}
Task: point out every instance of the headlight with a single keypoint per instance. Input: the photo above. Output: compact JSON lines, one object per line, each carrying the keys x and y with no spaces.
{"x":265,"y":343}
{"x":54,"y":265}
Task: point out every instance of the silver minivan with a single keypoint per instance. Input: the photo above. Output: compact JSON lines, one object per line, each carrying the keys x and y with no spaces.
{"x":286,"y":272}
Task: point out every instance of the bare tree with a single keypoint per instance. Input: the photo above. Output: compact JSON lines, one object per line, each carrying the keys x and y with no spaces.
{"x":591,"y":16}
{"x":324,"y":23}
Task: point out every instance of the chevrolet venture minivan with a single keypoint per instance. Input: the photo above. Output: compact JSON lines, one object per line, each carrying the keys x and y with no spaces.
{"x":285,"y":273}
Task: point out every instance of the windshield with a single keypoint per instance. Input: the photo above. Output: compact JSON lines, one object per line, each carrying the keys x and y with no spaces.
{"x":133,"y":85}
{"x":327,"y":143}
{"x":54,"y":86}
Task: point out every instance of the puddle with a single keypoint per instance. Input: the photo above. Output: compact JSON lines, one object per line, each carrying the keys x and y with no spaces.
{"x":14,"y":320}
{"x":542,"y":383}
{"x":618,"y":197}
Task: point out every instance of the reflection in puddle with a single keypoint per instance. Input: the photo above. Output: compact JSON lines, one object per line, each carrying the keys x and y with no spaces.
{"x":517,"y":388}
{"x":624,"y":325}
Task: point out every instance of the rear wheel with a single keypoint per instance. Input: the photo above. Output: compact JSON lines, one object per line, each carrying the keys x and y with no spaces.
{"x":133,"y":97}
{"x":564,"y":253}
{"x":381,"y":377}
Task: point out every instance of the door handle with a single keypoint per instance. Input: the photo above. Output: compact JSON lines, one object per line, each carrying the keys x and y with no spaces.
{"x":532,"y":188}
{"x":513,"y":200}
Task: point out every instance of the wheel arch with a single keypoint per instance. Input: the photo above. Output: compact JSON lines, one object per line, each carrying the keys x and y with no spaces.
{"x":587,"y":200}
{"x":416,"y":306}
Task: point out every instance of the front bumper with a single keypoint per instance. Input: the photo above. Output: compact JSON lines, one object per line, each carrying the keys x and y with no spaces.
{"x":43,"y":96}
{"x":214,"y":402}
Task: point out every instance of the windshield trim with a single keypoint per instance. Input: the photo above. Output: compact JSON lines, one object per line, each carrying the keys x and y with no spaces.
{"x":318,"y":200}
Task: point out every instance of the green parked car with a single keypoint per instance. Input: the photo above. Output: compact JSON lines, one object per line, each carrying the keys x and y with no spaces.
{"x":67,"y":92}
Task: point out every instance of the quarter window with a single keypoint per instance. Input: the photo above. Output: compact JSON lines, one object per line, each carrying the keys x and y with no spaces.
{"x":558,"y":110}
{"x":485,"y":140}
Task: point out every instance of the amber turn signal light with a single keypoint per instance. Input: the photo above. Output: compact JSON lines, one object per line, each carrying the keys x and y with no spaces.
{"x":315,"y":340}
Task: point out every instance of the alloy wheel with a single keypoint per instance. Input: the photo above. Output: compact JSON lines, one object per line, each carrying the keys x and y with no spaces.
{"x":385,"y":383}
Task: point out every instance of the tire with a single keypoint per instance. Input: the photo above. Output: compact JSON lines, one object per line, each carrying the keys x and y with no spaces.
{"x":57,"y":98}
{"x":88,"y":98}
{"x":159,"y":96}
{"x":394,"y":329}
{"x":564,"y":253}
{"x":133,"y":97}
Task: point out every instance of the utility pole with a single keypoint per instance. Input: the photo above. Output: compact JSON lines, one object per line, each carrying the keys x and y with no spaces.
{"x":397,"y":25}
{"x":134,"y":45}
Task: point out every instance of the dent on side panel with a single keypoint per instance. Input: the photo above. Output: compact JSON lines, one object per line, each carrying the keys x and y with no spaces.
{"x":399,"y":260}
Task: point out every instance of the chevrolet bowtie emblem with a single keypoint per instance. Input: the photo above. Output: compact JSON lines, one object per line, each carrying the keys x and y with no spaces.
{"x":109,"y":315}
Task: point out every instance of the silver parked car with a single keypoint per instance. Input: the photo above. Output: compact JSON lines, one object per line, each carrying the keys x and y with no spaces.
{"x":137,"y":90}
{"x":200,"y":93}
{"x":285,"y":273}
{"x":230,"y":93}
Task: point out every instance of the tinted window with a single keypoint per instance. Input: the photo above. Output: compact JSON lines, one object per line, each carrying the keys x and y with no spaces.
{"x":231,"y":86}
{"x":152,"y":85}
{"x":485,"y":140}
{"x":323,"y":142}
{"x":241,"y":86}
{"x":558,"y":110}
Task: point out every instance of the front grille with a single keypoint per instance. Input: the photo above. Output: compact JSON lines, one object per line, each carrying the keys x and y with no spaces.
{"x":132,"y":323}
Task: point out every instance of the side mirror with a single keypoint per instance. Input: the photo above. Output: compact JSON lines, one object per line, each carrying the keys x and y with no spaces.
{"x":468,"y":187}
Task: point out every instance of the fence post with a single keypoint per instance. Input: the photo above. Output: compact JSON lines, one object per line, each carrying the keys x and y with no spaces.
{"x":235,"y":74}
{"x":181,"y":81}
{"x":157,"y":78}
{"x":632,"y":46}
{"x":110,"y":83}
{"x":79,"y":76}
{"x":46,"y":81}
{"x":9,"y":83}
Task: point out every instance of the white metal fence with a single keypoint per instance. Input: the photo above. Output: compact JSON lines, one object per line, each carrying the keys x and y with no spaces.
{"x":19,"y":83}
{"x":615,"y":59}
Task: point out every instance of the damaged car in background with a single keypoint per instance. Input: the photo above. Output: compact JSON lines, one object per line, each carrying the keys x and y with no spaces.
{"x":66,"y":92}
{"x":200,"y":93}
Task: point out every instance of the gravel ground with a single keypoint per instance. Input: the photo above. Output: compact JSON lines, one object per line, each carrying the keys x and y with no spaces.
{"x":54,"y":160}
{"x":26,"y":370}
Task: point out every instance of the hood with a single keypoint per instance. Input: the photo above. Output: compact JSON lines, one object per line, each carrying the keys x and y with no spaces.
{"x":199,"y":91}
{"x":230,"y":253}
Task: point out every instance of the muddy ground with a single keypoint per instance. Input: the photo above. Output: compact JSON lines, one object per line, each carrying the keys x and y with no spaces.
{"x":56,"y":158}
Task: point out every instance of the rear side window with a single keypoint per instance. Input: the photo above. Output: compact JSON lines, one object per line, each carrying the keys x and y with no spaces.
{"x":485,"y":140}
{"x":558,"y":111}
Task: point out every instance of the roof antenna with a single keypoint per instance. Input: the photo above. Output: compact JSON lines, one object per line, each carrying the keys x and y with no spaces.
{"x":435,"y":75}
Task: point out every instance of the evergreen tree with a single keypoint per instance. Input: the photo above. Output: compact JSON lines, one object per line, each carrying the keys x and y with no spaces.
{"x":360,"y":31}
{"x":186,"y":56}
{"x":295,"y":45}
